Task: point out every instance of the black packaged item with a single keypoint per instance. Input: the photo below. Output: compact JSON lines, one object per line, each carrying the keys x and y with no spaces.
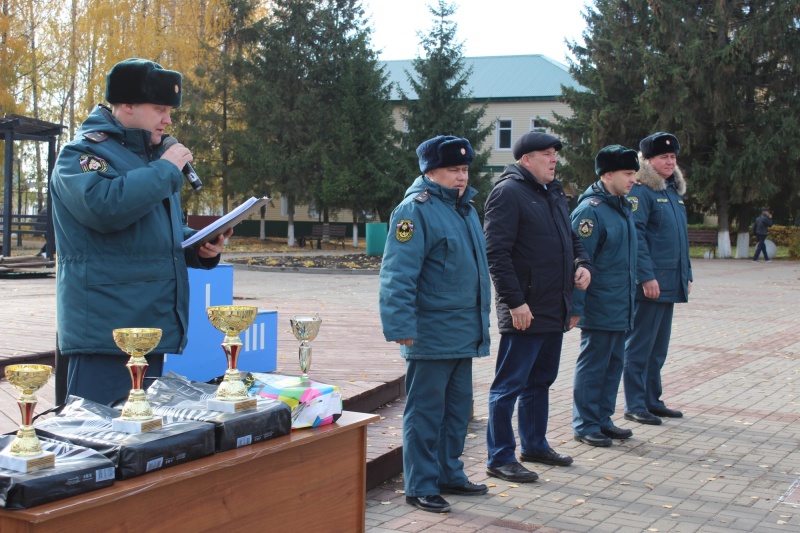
{"x":177,"y":398}
{"x":86,"y":423}
{"x":77,"y":470}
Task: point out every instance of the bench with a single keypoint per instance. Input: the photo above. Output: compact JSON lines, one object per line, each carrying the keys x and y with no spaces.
{"x":704,"y":237}
{"x":328,"y":233}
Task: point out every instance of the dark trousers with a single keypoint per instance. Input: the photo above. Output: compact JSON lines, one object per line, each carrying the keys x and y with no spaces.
{"x":438,"y":405}
{"x":597,"y":374}
{"x":527,"y":365}
{"x":645,"y":354}
{"x":761,"y":247}
{"x":105,"y":379}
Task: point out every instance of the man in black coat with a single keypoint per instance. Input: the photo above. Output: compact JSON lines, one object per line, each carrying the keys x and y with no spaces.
{"x":535,"y":260}
{"x":761,"y":228}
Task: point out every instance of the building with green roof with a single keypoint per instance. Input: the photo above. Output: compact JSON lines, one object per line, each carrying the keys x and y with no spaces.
{"x":519,"y":92}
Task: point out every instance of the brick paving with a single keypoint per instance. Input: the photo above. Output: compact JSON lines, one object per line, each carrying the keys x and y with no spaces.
{"x":734,"y":369}
{"x":732,"y":464}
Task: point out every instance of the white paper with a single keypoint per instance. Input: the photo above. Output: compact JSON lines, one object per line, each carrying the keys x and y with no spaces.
{"x":224,"y":223}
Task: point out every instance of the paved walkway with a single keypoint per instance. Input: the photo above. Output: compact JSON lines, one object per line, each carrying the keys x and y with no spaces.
{"x":734,"y":369}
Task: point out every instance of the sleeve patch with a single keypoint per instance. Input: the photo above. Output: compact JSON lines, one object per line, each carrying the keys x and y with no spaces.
{"x":92,"y":163}
{"x":585,"y":227}
{"x":404,"y":230}
{"x":634,"y":203}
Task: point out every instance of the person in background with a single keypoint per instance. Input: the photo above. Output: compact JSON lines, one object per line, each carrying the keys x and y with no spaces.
{"x":761,"y":228}
{"x":604,"y":223}
{"x":434,"y":302}
{"x":663,"y":275}
{"x":119,"y":226}
{"x":536,"y":260}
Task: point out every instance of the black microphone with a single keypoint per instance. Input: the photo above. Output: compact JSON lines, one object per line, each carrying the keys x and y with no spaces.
{"x":188,"y":172}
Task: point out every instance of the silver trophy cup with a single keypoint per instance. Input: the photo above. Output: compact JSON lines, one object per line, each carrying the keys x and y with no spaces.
{"x":305,"y":329}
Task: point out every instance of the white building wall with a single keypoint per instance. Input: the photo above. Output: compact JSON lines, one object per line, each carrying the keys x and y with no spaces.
{"x":521,"y":115}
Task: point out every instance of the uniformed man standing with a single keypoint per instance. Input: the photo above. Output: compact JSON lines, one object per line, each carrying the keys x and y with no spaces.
{"x":119,"y":226}
{"x":604,"y":223}
{"x":435,"y":295}
{"x":663,"y":275}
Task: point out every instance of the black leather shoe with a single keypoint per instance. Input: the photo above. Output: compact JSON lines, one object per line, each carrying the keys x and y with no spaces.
{"x":468,"y":489}
{"x":644,"y":418}
{"x":666,"y":412}
{"x":513,"y":472}
{"x":550,"y":457}
{"x":614,"y":432}
{"x":433,"y":504}
{"x":594,"y":439}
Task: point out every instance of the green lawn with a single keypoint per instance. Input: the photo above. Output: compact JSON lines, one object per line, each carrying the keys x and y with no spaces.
{"x":698,"y":251}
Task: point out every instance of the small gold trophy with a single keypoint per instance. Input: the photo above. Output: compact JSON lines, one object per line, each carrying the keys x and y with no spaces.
{"x":137,"y":414}
{"x":305,"y":329}
{"x":25,"y":453}
{"x":231,"y":396}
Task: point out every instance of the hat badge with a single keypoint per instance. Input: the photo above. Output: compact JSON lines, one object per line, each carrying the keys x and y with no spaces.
{"x":177,"y":89}
{"x":667,"y":141}
{"x":463,"y":151}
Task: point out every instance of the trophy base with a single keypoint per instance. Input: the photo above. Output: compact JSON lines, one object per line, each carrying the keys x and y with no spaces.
{"x":232,"y":407}
{"x":136,"y":426}
{"x":27,"y":464}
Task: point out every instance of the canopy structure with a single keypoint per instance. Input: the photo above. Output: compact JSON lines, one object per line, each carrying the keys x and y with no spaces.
{"x":19,"y":128}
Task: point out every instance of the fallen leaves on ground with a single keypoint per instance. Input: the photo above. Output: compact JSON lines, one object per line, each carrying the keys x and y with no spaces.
{"x":335,"y":262}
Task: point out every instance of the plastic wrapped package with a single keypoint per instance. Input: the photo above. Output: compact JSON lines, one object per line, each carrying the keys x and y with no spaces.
{"x":313,"y":404}
{"x":77,"y":470}
{"x":177,"y":398}
{"x":89,"y":424}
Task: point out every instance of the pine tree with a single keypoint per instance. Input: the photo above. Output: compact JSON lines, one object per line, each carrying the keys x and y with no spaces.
{"x":719,"y":75}
{"x":358,"y":159}
{"x":442,"y":105}
{"x":318,"y":123}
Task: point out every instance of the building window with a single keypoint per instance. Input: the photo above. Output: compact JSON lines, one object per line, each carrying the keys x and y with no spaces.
{"x":284,"y":207}
{"x":504,"y":134}
{"x":537,"y":124}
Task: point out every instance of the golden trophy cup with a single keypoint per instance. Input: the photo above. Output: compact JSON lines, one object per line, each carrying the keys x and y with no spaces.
{"x":25,"y":453}
{"x":231,"y":396}
{"x":305,"y":329}
{"x":137,"y":414}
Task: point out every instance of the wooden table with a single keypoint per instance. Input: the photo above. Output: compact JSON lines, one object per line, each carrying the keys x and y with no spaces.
{"x":310,"y":480}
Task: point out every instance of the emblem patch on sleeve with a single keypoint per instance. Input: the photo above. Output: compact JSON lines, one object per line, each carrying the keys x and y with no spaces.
{"x":585,"y":227}
{"x":92,"y":163}
{"x":404,"y":230}
{"x":634,"y":203}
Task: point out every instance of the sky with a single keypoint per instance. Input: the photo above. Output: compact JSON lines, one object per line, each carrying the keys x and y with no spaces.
{"x":485,"y":27}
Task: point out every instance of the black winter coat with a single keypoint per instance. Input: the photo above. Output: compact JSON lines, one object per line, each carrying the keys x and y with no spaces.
{"x":532,"y":250}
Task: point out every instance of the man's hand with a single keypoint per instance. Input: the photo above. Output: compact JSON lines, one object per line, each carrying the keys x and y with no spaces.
{"x":651,"y":289}
{"x":178,"y":155}
{"x":582,"y":278}
{"x":573,"y":321}
{"x":521,"y":317}
{"x":689,"y":290}
{"x":214,"y":248}
{"x":405,"y":342}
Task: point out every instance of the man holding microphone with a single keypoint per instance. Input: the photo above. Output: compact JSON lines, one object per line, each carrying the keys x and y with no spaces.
{"x":119,"y":227}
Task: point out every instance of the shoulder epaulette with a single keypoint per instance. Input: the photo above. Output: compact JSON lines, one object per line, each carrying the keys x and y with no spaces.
{"x":595,"y":201}
{"x":96,"y":136}
{"x":422,"y":197}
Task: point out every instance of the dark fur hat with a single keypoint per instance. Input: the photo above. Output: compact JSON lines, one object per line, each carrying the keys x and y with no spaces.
{"x":615,"y":157}
{"x":534,"y":141}
{"x":659,"y":143}
{"x":138,"y":81}
{"x":444,"y":151}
